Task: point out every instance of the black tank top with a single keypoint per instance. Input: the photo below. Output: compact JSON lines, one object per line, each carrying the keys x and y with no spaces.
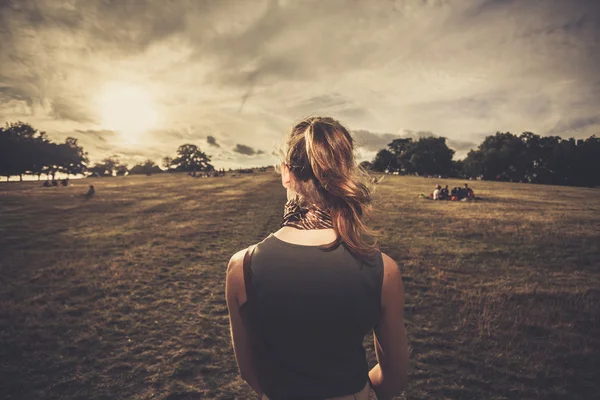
{"x":310,"y":312}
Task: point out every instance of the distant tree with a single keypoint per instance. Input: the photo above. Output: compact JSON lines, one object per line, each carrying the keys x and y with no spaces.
{"x":399,"y":148}
{"x":41,"y":155}
{"x":97,"y":170}
{"x":148,"y":167}
{"x":500,"y":157}
{"x":588,"y":161}
{"x":532,"y":158}
{"x":190,"y":158}
{"x":473,"y":164}
{"x":428,"y":156}
{"x":366,"y":165}
{"x":121,"y":170}
{"x":167,"y":163}
{"x":110,"y":166}
{"x":457,"y":169}
{"x":73,"y":160}
{"x":384,"y":160}
{"x":8,"y":154}
{"x":51,"y":157}
{"x":25,"y":150}
{"x":19,"y":139}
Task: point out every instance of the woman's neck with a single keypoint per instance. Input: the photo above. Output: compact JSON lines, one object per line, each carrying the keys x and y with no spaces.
{"x":308,"y":237}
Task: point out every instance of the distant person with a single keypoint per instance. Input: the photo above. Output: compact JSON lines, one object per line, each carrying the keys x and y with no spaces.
{"x":64,"y":182}
{"x":436,"y":192}
{"x":454,"y":193}
{"x":46,"y":184}
{"x":91,"y":192}
{"x":445,"y":194}
{"x":469,"y":192}
{"x":54,"y":182}
{"x":302,"y":300}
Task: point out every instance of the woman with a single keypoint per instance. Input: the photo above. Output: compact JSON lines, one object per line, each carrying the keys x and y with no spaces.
{"x":301,"y":301}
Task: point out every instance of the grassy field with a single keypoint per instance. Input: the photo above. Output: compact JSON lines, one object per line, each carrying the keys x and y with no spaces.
{"x":122,"y":296}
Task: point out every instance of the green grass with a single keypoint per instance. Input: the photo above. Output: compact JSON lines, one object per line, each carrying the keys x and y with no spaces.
{"x":122,"y":296}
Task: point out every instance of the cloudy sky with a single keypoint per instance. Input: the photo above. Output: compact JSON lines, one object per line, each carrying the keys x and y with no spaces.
{"x":138,"y":78}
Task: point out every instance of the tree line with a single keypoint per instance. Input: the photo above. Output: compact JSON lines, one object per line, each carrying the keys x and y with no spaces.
{"x":503,"y":157}
{"x":25,"y":150}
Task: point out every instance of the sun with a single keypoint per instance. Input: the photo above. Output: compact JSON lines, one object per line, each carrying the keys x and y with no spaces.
{"x":128,"y":109}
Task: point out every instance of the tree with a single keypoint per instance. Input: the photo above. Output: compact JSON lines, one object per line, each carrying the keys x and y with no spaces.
{"x":428,"y":156}
{"x":399,"y":147}
{"x":384,"y":160}
{"x":588,"y":161}
{"x":121,"y":170}
{"x":40,"y":154}
{"x":73,"y":160}
{"x":18,"y":142}
{"x":51,"y":159}
{"x":148,"y":167}
{"x":110,"y":166}
{"x":25,"y":150}
{"x":190,"y":158}
{"x":499,"y":157}
{"x":473,"y":164}
{"x":8,"y":144}
{"x":366,"y":165}
{"x":167,"y":163}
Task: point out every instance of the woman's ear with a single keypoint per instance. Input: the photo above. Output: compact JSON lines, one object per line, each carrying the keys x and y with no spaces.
{"x":285,"y":176}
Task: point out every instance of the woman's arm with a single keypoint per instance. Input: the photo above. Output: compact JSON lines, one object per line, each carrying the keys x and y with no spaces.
{"x":389,"y":376}
{"x":235,"y":293}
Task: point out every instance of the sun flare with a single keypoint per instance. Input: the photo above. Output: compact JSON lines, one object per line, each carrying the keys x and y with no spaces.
{"x":128,"y":109}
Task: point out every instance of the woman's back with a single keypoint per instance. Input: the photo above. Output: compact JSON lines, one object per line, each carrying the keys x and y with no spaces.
{"x":311,"y":311}
{"x":300,"y":307}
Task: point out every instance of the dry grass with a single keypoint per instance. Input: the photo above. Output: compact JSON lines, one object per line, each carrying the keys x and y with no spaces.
{"x":122,"y":296}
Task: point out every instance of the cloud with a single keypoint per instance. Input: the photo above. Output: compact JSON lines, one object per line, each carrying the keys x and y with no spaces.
{"x":575,"y":124}
{"x":212,"y":141}
{"x":246,"y":150}
{"x":369,"y":143}
{"x":65,"y":109}
{"x":458,"y":69}
{"x":461,"y":146}
{"x":372,"y":141}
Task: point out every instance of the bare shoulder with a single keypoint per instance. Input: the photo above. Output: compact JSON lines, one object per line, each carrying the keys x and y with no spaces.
{"x":390,"y":268}
{"x":236,"y":262}
{"x":392,"y":287}
{"x":234,"y":280}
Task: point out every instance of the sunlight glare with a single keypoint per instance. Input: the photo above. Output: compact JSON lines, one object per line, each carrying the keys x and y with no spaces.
{"x":128,"y":109}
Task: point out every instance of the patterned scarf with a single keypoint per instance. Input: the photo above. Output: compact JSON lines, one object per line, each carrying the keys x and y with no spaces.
{"x":300,"y":216}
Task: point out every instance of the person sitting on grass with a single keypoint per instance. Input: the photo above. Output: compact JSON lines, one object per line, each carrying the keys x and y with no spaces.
{"x":91,"y":192}
{"x":436,"y":192}
{"x":468,"y":192}
{"x":444,"y":195}
{"x":302,"y":300}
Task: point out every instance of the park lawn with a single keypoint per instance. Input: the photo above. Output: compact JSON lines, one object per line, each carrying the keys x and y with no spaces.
{"x":122,"y":296}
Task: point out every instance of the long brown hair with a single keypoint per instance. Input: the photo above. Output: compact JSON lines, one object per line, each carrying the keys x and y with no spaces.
{"x":320,"y":155}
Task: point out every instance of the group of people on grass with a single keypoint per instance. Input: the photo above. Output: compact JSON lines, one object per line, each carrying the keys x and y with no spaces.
{"x":209,"y":174}
{"x":456,"y":194}
{"x":54,"y":183}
